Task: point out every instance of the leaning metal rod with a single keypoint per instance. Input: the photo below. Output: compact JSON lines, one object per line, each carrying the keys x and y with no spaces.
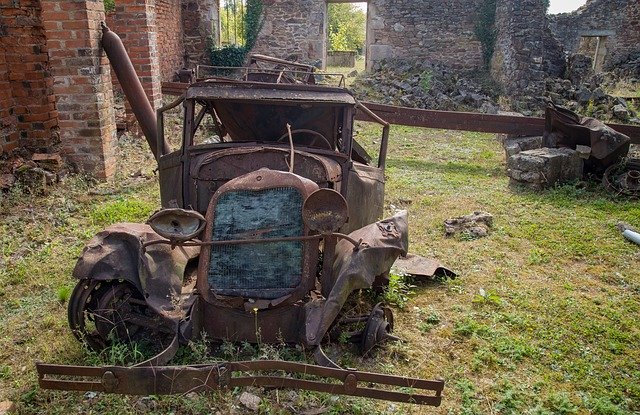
{"x":356,"y":244}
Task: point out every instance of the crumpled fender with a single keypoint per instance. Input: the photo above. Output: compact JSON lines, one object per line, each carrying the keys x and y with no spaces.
{"x":382,"y":243}
{"x":117,"y":253}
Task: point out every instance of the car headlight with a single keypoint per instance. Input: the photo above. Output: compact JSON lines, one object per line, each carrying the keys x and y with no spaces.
{"x":325,"y":211}
{"x":177,"y":224}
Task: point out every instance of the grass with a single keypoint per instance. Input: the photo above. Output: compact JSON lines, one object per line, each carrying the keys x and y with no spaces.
{"x":542,"y":318}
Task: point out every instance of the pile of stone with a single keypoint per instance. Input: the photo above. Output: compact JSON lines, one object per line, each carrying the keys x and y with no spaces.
{"x":584,"y":92}
{"x":33,"y":173}
{"x":427,"y":85}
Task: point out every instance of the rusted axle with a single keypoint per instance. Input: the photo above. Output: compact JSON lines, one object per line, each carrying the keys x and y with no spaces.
{"x":165,"y":380}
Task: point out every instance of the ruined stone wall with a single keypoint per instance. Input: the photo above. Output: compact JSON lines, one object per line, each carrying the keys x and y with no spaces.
{"x":436,"y":30}
{"x":200,"y":25}
{"x":28,"y":114}
{"x":518,"y":60}
{"x":294,"y":30}
{"x":170,"y":38}
{"x":619,"y":19}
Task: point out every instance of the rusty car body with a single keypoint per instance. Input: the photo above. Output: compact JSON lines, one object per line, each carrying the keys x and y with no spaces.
{"x":270,"y":220}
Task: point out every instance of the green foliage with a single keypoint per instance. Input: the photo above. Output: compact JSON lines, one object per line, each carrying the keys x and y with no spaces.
{"x":487,"y":297}
{"x":485,"y":29}
{"x":241,"y":23}
{"x":63,"y":293}
{"x":229,"y":55}
{"x":399,"y":290}
{"x":109,"y":5}
{"x":561,"y":404}
{"x":347,"y":27}
{"x":122,"y":210}
{"x":426,"y":78}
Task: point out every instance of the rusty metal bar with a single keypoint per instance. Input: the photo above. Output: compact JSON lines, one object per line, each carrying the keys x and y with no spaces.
{"x":161,"y":380}
{"x":450,"y":120}
{"x":469,"y":121}
{"x":133,"y":90}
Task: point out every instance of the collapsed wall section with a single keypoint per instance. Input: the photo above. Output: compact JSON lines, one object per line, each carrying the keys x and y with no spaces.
{"x":616,"y":22}
{"x":441,"y":31}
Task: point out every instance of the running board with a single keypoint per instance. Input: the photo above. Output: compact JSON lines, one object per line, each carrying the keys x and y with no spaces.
{"x":167,"y":380}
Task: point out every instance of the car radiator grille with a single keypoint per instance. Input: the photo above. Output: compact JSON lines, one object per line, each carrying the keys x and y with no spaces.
{"x":261,"y":270}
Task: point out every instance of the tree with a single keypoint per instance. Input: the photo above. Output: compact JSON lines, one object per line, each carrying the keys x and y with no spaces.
{"x":347,"y":27}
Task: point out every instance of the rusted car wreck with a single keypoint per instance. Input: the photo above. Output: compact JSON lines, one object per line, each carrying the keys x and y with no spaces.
{"x":269,"y":223}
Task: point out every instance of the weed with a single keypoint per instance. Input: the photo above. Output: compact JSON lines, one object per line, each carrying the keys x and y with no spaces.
{"x":429,"y":322}
{"x":63,"y":293}
{"x":487,"y":297}
{"x":399,"y":290}
{"x":560,"y":403}
{"x":426,"y":77}
{"x":468,"y":399}
{"x":468,"y":327}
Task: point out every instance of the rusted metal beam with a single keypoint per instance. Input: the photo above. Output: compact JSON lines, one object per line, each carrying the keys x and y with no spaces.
{"x":468,"y":121}
{"x":450,"y":120}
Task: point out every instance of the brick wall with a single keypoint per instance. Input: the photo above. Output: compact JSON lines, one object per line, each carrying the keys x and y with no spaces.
{"x":135,"y":22}
{"x":82,"y":84}
{"x":170,"y":44}
{"x":27,"y":106}
{"x":436,"y":30}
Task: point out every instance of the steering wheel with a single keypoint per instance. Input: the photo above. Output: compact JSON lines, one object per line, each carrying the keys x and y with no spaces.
{"x":316,"y":137}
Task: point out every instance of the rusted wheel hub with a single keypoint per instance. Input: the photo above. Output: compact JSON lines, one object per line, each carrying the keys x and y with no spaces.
{"x":378,"y":329}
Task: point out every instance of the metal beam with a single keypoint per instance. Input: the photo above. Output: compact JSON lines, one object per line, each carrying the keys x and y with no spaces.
{"x":449,"y":120}
{"x":469,"y":121}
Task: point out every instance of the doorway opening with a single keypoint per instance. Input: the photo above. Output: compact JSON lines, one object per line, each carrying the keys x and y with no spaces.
{"x":346,"y":41}
{"x":594,"y":44}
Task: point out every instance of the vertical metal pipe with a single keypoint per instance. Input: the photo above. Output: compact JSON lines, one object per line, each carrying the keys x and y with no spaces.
{"x":132,"y":88}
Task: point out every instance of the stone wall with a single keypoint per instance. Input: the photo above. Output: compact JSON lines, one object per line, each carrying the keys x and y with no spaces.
{"x":436,"y":30}
{"x":619,"y":20}
{"x":200,"y":23}
{"x":170,"y":38}
{"x":28,"y":114}
{"x":518,"y":60}
{"x":294,"y":30}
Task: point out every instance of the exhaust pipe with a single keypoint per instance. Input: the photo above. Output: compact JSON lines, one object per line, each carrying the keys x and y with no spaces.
{"x":132,"y":88}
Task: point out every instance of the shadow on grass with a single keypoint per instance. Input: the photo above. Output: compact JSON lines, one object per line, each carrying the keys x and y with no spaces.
{"x":590,"y":195}
{"x":445,"y":167}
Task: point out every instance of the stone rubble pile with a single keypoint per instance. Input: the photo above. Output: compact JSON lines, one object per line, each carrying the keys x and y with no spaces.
{"x":34,"y":173}
{"x":425,"y":84}
{"x":584,"y":92}
{"x":430,"y":85}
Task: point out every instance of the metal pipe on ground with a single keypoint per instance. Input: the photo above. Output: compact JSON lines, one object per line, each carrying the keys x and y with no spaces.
{"x":132,"y":88}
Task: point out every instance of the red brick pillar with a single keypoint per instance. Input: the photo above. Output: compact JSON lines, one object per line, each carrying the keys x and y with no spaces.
{"x":135,"y":22}
{"x":82,"y":84}
{"x":27,"y":106}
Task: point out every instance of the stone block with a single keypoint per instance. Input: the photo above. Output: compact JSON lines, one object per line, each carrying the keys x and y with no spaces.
{"x":544,"y":167}
{"x":514,"y":145}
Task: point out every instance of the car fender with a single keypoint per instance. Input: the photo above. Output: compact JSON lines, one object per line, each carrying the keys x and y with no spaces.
{"x":118,"y":253}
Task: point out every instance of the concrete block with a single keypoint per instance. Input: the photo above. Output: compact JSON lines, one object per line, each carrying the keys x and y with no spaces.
{"x":544,"y":167}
